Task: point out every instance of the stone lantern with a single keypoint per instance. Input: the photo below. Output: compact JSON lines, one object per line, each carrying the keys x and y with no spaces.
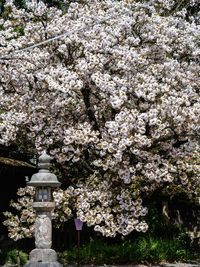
{"x":43,"y":181}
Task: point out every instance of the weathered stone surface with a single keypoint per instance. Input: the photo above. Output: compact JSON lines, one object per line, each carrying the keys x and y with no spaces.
{"x":43,"y":255}
{"x":43,"y":206}
{"x":43,"y":264}
{"x":43,"y":231}
{"x":44,"y":177}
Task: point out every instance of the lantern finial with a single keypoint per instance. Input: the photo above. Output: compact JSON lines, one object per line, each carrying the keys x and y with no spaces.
{"x":44,"y":161}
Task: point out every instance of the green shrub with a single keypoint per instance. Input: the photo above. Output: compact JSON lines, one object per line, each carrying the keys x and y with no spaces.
{"x":14,"y":257}
{"x":157,"y":250}
{"x":144,"y":249}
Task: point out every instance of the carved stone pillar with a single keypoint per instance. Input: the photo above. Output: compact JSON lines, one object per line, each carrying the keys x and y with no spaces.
{"x":43,"y":225}
{"x":43,"y":230}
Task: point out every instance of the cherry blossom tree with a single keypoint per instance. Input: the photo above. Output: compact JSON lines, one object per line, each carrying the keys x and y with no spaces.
{"x":111,"y":90}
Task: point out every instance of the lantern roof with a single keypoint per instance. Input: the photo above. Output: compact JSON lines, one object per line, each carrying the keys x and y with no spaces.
{"x":44,"y":177}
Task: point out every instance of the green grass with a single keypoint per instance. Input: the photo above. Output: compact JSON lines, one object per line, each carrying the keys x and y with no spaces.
{"x":142,"y":250}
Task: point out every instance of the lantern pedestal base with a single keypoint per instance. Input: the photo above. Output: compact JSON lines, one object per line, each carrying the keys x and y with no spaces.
{"x":44,"y":254}
{"x":43,"y":258}
{"x":43,"y":264}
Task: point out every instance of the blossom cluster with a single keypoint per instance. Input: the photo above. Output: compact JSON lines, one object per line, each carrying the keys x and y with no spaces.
{"x":21,"y":225}
{"x":116,"y":97}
